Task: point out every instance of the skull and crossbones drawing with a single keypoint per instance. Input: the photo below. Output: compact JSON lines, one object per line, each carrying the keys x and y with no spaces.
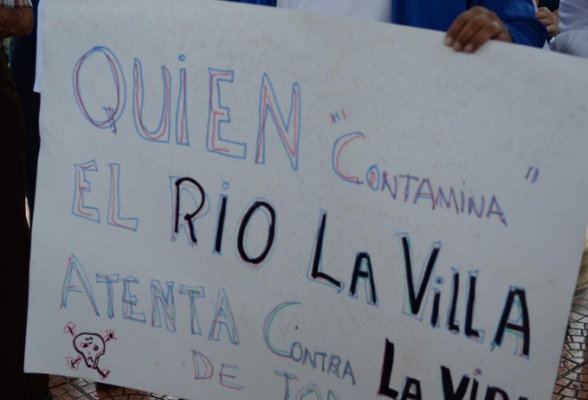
{"x":90,"y":346}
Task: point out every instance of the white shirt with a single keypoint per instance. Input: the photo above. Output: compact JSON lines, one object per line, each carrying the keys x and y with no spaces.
{"x":574,"y":43}
{"x":573,"y":14}
{"x":368,"y":10}
{"x":573,"y":24}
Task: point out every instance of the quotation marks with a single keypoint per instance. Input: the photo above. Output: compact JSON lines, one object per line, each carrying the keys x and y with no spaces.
{"x":338,"y":116}
{"x":532,"y":174}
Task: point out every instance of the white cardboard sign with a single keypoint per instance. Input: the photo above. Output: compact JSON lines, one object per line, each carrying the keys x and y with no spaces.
{"x":238,"y":202}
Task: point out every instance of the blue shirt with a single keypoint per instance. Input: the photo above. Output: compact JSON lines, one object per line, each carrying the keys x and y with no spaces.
{"x":517,"y":15}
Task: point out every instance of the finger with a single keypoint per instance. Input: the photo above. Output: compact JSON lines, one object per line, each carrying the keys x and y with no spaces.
{"x":551,"y":29}
{"x":551,"y":26}
{"x":546,"y":18}
{"x":503,"y":36}
{"x":489,"y":31}
{"x":473,"y":26}
{"x":546,"y":23}
{"x":457,"y":26}
{"x":542,"y":14}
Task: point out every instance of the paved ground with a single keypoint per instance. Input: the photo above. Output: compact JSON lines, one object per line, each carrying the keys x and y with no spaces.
{"x":571,"y":383}
{"x":583,"y":278}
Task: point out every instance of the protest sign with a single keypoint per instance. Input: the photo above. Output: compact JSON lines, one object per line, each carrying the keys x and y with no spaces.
{"x":238,"y":202}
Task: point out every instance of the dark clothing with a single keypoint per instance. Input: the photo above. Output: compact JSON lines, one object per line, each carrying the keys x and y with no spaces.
{"x":14,"y":246}
{"x":517,"y":15}
{"x":33,"y":34}
{"x":552,"y":5}
{"x":23,"y":54}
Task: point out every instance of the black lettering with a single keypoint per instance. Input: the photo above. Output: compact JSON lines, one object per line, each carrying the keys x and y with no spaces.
{"x":358,"y":273}
{"x":448,"y":391}
{"x":469,"y":331}
{"x":387,"y":367}
{"x":188,"y":217}
{"x":270,"y":237}
{"x":317,"y":259}
{"x":492,"y":392}
{"x":407,"y":393}
{"x":435,"y":314}
{"x":416,"y":300}
{"x":474,"y":394}
{"x":451,"y":324}
{"x":220,"y":227}
{"x":523,"y":329}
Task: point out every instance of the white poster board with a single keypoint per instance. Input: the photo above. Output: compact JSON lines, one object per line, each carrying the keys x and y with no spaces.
{"x":238,"y":202}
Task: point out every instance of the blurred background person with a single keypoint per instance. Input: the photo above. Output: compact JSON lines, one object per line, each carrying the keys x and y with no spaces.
{"x":23,"y":51}
{"x":573,"y":28}
{"x":16,"y":18}
{"x":469,"y":24}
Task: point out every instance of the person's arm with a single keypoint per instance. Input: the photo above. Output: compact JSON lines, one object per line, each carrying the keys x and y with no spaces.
{"x":15,"y":21}
{"x":528,"y":32}
{"x":504,"y":20}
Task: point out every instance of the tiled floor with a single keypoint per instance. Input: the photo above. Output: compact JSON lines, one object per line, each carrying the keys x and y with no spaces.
{"x":64,"y":388}
{"x":571,"y":384}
